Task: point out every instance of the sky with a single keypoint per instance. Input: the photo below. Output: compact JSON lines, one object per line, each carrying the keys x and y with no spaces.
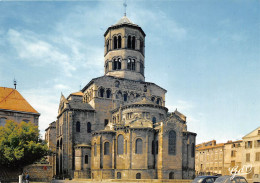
{"x":205,"y":53}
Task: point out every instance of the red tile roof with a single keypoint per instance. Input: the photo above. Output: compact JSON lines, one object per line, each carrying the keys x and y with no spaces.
{"x":11,"y":99}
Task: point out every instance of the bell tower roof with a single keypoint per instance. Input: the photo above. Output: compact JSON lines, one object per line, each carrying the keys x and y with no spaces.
{"x":125,"y":20}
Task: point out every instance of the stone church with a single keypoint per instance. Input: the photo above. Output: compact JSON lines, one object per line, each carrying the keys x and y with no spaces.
{"x":117,"y":126}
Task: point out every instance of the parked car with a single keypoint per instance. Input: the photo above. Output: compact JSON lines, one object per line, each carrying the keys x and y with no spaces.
{"x":231,"y":179}
{"x":205,"y":179}
{"x":256,"y":178}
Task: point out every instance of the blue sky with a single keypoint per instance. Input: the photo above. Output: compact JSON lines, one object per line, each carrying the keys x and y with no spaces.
{"x":206,"y":53}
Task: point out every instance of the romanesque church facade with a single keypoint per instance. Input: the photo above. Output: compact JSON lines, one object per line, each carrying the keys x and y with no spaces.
{"x":117,"y":126}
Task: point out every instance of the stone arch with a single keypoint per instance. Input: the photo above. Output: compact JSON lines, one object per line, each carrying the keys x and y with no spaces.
{"x":138,"y":176}
{"x":171,"y":175}
{"x":101,"y":92}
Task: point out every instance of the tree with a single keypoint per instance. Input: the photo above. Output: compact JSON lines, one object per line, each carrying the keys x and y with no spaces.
{"x":20,"y":144}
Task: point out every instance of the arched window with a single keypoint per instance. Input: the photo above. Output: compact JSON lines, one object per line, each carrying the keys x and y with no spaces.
{"x":152,"y":99}
{"x":154,"y":119}
{"x":115,"y":42}
{"x":95,"y":149}
{"x":119,"y":41}
{"x":108,"y":93}
{"x":106,"y":148}
{"x":118,"y":175}
{"x":192,"y":150}
{"x":142,"y":46}
{"x":125,"y":97}
{"x":78,"y":126}
{"x":129,"y":42}
{"x":138,"y":176}
{"x":120,"y":144}
{"x":119,"y":95}
{"x":107,"y":45}
{"x":142,"y":68}
{"x":89,"y":127}
{"x":139,"y":146}
{"x":133,"y":64}
{"x":172,"y":142}
{"x":171,"y":175}
{"x":58,"y":145}
{"x":119,"y":64}
{"x":86,"y":159}
{"x":133,"y":42}
{"x":129,"y":64}
{"x":158,"y":101}
{"x":101,"y":92}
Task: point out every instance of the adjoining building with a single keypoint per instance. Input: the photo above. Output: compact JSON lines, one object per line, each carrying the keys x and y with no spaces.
{"x":117,"y":126}
{"x":251,"y":153}
{"x":209,"y":158}
{"x":241,"y":157}
{"x":14,"y":107}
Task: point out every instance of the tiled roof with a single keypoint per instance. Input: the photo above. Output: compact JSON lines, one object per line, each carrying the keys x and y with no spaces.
{"x":11,"y":99}
{"x":78,"y":93}
{"x":211,"y":147}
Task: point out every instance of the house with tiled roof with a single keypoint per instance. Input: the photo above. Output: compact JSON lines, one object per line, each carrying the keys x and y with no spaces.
{"x":13,"y":106}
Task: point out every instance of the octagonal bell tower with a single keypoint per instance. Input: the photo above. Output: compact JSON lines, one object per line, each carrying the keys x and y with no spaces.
{"x":124,"y":50}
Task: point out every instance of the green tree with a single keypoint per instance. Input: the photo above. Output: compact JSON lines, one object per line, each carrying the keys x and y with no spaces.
{"x":20,"y":144}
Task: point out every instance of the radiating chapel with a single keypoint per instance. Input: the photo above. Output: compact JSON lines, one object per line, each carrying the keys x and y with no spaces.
{"x":117,"y":126}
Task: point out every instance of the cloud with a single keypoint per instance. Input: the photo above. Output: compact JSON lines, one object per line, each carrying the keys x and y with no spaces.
{"x":46,"y":102}
{"x":61,"y":87}
{"x":31,"y":48}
